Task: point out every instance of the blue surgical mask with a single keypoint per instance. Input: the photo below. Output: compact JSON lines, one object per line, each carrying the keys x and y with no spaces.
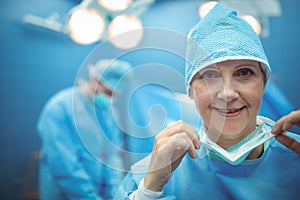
{"x":102,"y":100}
{"x":238,"y":153}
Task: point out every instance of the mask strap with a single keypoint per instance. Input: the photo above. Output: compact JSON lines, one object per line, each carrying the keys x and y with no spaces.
{"x":246,"y":139}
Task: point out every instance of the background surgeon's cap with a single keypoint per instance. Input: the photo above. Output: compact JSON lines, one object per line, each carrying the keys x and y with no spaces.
{"x":110,"y":71}
{"x":221,"y":35}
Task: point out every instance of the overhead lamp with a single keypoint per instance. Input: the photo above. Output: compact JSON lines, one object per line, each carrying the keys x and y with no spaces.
{"x":114,"y":5}
{"x":94,"y":20}
{"x":125,"y":31}
{"x":253,"y":22}
{"x":205,"y":8}
{"x":255,"y":12}
{"x":86,"y":26}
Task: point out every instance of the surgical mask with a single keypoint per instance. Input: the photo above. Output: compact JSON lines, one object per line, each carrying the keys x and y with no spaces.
{"x":102,"y":100}
{"x":238,"y":153}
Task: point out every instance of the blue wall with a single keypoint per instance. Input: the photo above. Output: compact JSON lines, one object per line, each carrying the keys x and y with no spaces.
{"x":36,"y":63}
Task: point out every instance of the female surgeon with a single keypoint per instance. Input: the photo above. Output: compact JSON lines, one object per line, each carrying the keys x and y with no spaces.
{"x":233,"y":154}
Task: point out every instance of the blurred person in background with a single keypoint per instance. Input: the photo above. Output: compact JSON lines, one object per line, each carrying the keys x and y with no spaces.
{"x":73,"y":116}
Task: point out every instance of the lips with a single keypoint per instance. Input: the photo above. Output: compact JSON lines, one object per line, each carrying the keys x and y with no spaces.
{"x":233,"y":112}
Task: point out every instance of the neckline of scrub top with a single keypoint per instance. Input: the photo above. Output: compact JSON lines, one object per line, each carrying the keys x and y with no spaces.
{"x":221,"y":167}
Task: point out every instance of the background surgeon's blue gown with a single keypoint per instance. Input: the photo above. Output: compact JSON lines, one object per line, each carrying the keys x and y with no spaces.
{"x":275,"y":175}
{"x":68,"y":171}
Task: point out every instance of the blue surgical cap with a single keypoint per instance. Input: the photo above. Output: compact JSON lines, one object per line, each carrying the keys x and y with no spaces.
{"x":220,"y":36}
{"x":110,"y":71}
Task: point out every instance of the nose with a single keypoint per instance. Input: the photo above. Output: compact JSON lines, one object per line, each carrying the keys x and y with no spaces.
{"x":227,"y":91}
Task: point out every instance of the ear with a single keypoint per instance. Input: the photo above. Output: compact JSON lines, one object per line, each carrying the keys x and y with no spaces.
{"x":264,"y":83}
{"x":191,"y":93}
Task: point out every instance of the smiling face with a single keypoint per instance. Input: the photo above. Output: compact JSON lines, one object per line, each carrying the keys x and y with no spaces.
{"x":228,"y":96}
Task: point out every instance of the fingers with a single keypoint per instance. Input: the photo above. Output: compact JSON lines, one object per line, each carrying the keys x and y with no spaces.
{"x":176,"y":127}
{"x":289,"y":142}
{"x":179,"y":128}
{"x":285,"y":123}
{"x":281,"y":126}
{"x":170,"y":146}
{"x":294,"y":117}
{"x":177,"y":139}
{"x":182,"y":143}
{"x":173,"y":143}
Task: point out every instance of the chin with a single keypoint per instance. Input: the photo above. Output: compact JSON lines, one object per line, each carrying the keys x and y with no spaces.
{"x":232,"y":131}
{"x":231,"y":135}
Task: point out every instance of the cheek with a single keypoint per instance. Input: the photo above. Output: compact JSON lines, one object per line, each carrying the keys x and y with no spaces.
{"x":202,"y":97}
{"x":253,"y":95}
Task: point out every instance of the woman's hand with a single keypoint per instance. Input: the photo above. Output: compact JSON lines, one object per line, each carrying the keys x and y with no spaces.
{"x":170,"y":146}
{"x":284,"y":124}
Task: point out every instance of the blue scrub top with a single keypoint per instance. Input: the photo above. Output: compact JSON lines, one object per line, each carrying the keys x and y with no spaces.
{"x":67,"y":169}
{"x":275,"y":175}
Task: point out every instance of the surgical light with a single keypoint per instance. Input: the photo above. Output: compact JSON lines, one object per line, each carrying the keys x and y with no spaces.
{"x":255,"y":12}
{"x":254,"y":23}
{"x":125,"y":31}
{"x":86,"y":26}
{"x":95,"y":20}
{"x":205,"y":8}
{"x":114,"y":5}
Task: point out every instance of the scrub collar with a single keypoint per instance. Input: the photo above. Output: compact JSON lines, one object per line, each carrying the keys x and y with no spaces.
{"x":238,"y":153}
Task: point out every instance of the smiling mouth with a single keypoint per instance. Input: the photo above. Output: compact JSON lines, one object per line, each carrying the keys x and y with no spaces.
{"x":230,"y":112}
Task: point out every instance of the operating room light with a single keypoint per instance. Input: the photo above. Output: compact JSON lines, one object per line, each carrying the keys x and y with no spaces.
{"x":86,"y":26}
{"x":125,"y":31}
{"x":205,"y":8}
{"x":93,"y":20}
{"x":114,"y":5}
{"x":255,"y":12}
{"x":254,"y":23}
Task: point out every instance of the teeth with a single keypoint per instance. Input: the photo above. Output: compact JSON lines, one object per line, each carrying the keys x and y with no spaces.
{"x":228,"y":110}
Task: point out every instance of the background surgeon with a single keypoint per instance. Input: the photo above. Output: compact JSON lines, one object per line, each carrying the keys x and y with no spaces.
{"x":233,"y":155}
{"x":82,"y":113}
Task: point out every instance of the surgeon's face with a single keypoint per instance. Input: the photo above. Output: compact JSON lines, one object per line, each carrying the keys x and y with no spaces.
{"x":228,"y":97}
{"x":97,"y":87}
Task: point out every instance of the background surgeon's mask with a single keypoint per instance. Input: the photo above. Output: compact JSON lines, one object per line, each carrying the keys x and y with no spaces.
{"x":102,"y":100}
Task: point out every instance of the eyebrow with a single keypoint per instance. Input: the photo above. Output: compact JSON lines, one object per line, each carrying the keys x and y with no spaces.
{"x":215,"y":66}
{"x":246,"y":64}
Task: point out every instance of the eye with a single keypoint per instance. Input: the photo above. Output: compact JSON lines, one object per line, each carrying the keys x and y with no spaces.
{"x":244,"y":73}
{"x":211,"y":74}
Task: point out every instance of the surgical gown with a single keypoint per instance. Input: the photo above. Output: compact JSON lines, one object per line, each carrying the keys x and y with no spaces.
{"x":67,"y":168}
{"x":275,"y":175}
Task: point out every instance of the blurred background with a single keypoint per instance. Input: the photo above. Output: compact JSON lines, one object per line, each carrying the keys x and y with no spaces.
{"x":37,"y":62}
